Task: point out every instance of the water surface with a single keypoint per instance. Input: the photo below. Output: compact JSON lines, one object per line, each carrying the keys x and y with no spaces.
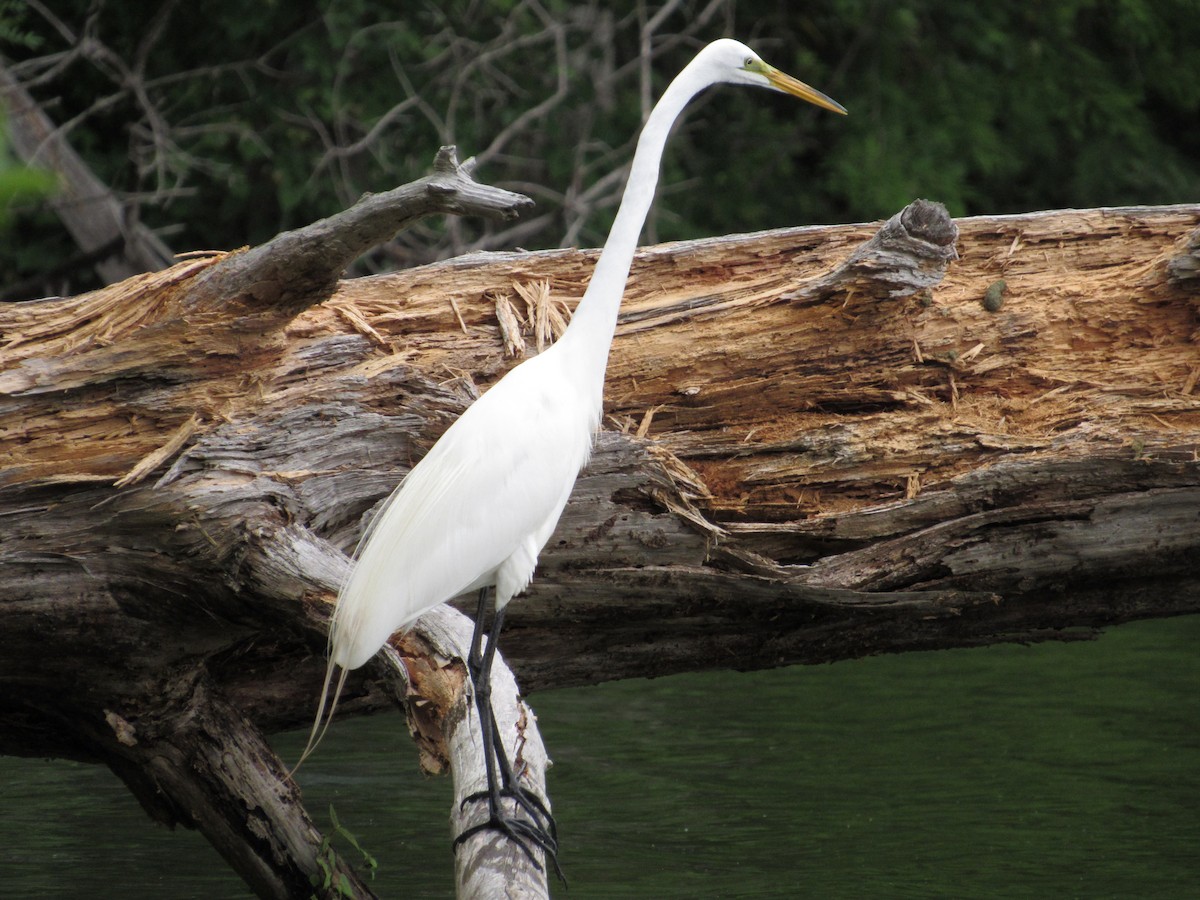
{"x":1045,"y":771}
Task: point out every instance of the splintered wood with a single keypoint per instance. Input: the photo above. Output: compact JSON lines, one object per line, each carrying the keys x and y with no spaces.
{"x":785,"y":404}
{"x":818,"y":445}
{"x":789,"y":409}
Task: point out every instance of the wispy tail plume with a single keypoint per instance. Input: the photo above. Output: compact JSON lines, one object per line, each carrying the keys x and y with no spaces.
{"x":319,"y":728}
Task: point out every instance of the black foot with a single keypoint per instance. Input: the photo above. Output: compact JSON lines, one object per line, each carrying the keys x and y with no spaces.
{"x":539,"y":829}
{"x":531,"y":803}
{"x":523,"y":834}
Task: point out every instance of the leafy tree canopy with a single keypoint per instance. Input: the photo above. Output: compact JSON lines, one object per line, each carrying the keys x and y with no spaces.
{"x":224,"y":122}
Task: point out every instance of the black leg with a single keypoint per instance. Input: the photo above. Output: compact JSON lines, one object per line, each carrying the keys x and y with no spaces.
{"x":529,"y":801}
{"x":475,"y":656}
{"x":501,"y":781}
{"x":510,"y":786}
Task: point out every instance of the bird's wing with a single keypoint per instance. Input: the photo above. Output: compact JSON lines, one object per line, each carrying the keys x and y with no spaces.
{"x":482,"y":494}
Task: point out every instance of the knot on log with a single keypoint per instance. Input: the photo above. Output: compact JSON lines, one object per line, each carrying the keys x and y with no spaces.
{"x":446,"y":170}
{"x":909,"y":253}
{"x":446,"y":161}
{"x":1185,"y":268}
{"x":928,"y":221}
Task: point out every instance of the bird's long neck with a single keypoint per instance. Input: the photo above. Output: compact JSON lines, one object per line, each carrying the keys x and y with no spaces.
{"x":589,"y":336}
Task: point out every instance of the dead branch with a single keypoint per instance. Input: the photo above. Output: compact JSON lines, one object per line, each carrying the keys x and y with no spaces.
{"x":152,"y":665}
{"x":892,"y":462}
{"x":300,"y":268}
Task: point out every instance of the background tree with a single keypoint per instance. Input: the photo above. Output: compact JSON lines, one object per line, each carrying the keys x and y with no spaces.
{"x":221,"y":124}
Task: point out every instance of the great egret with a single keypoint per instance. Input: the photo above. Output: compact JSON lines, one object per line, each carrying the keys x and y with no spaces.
{"x":475,"y":512}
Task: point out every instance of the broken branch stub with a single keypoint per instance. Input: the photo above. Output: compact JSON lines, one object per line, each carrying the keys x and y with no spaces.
{"x":300,"y":268}
{"x":908,"y":254}
{"x":1185,"y":267}
{"x":422,"y":671}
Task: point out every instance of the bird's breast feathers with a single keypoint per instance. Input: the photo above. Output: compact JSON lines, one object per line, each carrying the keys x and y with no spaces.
{"x":487,"y":496}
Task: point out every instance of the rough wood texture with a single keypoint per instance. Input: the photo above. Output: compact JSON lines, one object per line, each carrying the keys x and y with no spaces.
{"x":141,"y":614}
{"x":814,"y":450}
{"x":442,"y":716}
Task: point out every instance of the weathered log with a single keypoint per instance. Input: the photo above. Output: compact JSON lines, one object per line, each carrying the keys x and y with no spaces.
{"x":136,"y":603}
{"x":808,"y":456}
{"x":1185,"y":266}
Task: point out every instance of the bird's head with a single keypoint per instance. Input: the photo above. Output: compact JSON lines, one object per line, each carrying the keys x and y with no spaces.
{"x":732,"y":61}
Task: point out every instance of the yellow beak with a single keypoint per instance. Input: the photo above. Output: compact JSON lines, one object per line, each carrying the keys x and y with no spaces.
{"x":781,"y":81}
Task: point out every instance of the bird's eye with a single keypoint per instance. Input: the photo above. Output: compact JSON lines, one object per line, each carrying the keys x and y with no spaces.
{"x":749,"y":63}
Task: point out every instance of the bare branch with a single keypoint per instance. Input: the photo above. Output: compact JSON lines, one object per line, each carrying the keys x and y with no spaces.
{"x":538,"y":112}
{"x":301,"y":267}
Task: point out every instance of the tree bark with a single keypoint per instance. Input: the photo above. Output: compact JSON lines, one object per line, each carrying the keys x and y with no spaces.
{"x":157,"y":595}
{"x":119,"y":246}
{"x":820,"y":443}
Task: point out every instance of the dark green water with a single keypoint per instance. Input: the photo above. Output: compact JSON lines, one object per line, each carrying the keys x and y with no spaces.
{"x":1050,"y":771}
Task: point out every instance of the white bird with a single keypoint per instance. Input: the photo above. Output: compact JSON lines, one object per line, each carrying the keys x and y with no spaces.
{"x":475,"y":512}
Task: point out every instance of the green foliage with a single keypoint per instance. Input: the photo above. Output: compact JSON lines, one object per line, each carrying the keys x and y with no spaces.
{"x":330,"y":881}
{"x":249,"y":119}
{"x":1005,"y":107}
{"x":18,"y":183}
{"x":13,"y":28}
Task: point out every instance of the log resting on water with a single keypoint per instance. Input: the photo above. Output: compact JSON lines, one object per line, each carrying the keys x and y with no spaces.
{"x":820,"y":443}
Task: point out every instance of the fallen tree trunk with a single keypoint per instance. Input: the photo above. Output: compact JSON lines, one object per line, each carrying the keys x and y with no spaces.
{"x":821,"y":443}
{"x":137,"y":605}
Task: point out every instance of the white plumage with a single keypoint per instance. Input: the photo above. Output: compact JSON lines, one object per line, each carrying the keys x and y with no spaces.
{"x":476,"y":511}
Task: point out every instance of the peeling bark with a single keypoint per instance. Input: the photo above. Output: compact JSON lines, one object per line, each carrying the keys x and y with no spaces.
{"x":1186,"y":265}
{"x":820,"y":443}
{"x":163,"y":539}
